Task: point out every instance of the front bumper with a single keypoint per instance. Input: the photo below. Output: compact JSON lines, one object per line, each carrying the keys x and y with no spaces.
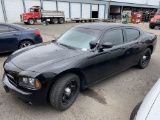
{"x":24,"y":20}
{"x":32,"y":96}
{"x":154,"y":23}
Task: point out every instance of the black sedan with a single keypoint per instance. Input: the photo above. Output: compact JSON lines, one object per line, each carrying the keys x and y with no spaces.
{"x":81,"y":57}
{"x":13,"y":37}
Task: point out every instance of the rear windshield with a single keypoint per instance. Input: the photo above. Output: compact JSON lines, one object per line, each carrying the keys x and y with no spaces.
{"x":158,"y":12}
{"x":15,"y":25}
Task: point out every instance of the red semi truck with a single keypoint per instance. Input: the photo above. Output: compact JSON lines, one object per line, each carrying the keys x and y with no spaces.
{"x":36,"y":13}
{"x":155,"y":21}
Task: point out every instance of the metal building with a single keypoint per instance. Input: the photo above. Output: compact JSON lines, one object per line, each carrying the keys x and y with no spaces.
{"x":10,"y":10}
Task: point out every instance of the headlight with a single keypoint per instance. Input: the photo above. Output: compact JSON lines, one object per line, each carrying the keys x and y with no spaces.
{"x":30,"y":83}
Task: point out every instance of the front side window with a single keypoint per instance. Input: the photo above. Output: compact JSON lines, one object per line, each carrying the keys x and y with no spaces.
{"x":158,"y":12}
{"x":31,"y":10}
{"x":12,"y":29}
{"x":132,"y":34}
{"x":78,"y":38}
{"x":4,"y":28}
{"x":113,"y":36}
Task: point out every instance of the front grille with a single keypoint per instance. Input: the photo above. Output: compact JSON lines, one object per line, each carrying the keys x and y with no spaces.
{"x":12,"y":76}
{"x":157,"y":20}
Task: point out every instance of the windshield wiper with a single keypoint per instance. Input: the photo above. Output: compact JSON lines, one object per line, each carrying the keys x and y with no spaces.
{"x":67,"y":46}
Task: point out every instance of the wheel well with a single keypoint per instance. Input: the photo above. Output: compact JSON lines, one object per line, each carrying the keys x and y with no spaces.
{"x":74,"y":71}
{"x":151,"y":47}
{"x":25,"y":40}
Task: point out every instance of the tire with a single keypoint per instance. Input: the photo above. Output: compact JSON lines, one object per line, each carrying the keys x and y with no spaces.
{"x":135,"y":110}
{"x":145,"y":59}
{"x":25,"y":44}
{"x":31,"y":21}
{"x":151,"y":26}
{"x":61,"y":20}
{"x":26,"y":23}
{"x":55,"y":21}
{"x":50,"y":22}
{"x":61,"y":96}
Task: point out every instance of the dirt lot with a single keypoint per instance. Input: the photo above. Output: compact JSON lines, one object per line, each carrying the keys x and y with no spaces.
{"x":112,"y":99}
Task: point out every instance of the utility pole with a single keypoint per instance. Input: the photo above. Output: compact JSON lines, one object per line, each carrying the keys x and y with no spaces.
{"x":109,"y":8}
{"x":147,"y":2}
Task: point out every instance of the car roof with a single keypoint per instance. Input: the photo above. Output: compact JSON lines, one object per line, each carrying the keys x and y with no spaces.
{"x":102,"y":26}
{"x":13,"y":25}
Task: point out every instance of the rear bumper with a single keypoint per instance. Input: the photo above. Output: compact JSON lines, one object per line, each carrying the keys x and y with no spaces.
{"x":32,"y":97}
{"x":38,"y":39}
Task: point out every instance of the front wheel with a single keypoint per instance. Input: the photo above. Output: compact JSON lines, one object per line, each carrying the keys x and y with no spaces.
{"x":64,"y":92}
{"x":151,"y":26}
{"x":31,"y":21}
{"x":145,"y":59}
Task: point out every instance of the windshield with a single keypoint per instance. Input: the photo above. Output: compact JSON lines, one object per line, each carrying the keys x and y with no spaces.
{"x":158,"y":12}
{"x":31,"y":10}
{"x":78,"y":38}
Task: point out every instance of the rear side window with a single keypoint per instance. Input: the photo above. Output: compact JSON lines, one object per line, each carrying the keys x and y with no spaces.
{"x":132,"y":34}
{"x":4,"y":28}
{"x":113,"y":36}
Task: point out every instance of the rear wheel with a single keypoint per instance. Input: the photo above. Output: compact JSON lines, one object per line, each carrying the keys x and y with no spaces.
{"x":54,"y":20}
{"x":61,"y":20}
{"x":145,"y":59}
{"x":31,"y":21}
{"x":64,"y":92}
{"x":25,"y":44}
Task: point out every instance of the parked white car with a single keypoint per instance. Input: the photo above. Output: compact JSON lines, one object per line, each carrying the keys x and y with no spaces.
{"x":149,"y":109}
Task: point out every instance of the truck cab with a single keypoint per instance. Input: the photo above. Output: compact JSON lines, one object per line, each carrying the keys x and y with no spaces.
{"x":37,"y":13}
{"x":155,"y":21}
{"x":31,"y":16}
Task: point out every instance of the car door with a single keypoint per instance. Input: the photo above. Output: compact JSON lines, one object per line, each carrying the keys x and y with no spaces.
{"x":107,"y":61}
{"x":133,"y":53}
{"x":9,"y":38}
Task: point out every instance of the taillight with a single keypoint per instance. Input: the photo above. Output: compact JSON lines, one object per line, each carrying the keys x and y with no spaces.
{"x":37,"y":32}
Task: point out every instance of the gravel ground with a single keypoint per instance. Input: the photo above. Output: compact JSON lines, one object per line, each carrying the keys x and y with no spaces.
{"x":111,"y":99}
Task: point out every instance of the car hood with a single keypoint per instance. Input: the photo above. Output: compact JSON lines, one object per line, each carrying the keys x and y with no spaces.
{"x":157,"y":16}
{"x":41,"y":55}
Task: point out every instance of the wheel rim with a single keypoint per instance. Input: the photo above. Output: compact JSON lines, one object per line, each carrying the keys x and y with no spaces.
{"x":69,"y":91}
{"x":25,"y":45}
{"x":31,"y":21}
{"x":146,"y":58}
{"x":55,"y":20}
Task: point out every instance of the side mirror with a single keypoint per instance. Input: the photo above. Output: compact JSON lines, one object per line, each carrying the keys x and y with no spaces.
{"x":93,"y":44}
{"x":107,"y":45}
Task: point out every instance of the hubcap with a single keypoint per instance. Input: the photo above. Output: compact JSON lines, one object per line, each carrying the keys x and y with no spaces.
{"x":31,"y":21}
{"x":25,"y":45}
{"x":69,"y":91}
{"x":145,"y":58}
